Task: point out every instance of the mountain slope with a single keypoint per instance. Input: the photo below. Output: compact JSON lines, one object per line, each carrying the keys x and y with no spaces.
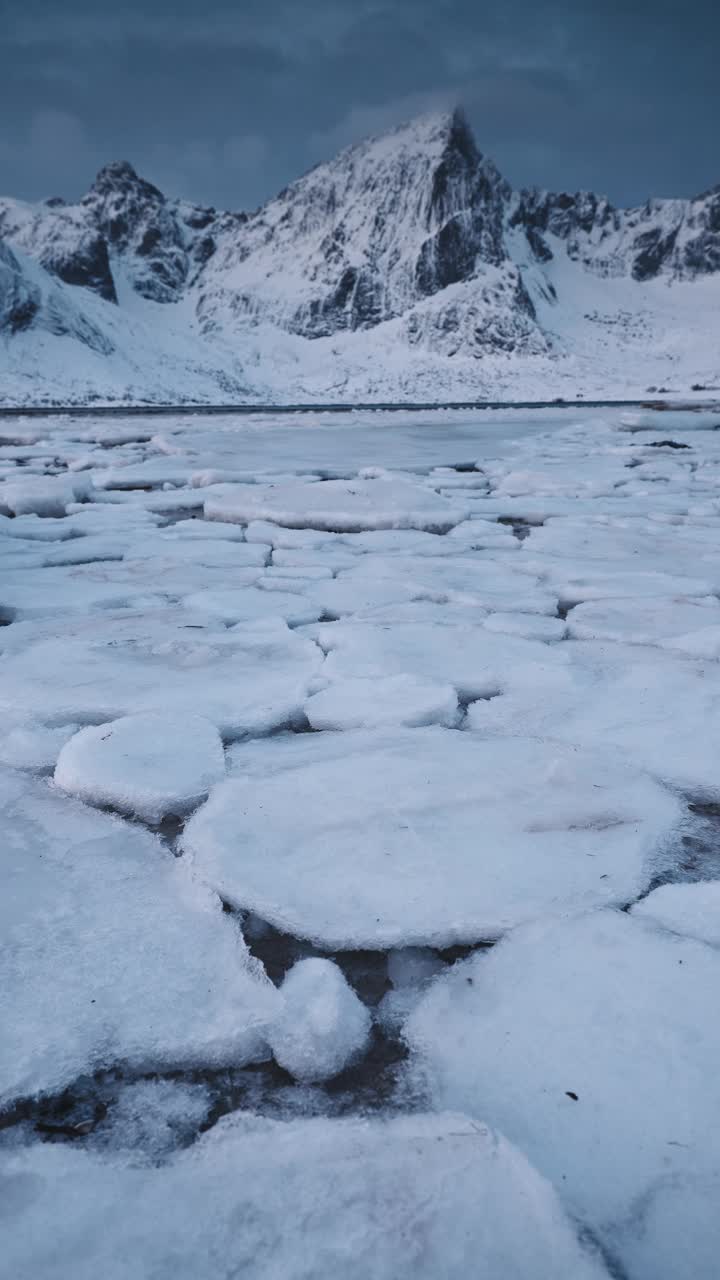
{"x":405,"y":267}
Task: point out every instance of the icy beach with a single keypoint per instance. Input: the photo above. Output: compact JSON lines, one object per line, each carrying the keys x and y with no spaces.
{"x":361,"y":846}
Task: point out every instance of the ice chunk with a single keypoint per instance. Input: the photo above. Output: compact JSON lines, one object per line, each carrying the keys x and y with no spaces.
{"x":43,"y":495}
{"x":658,"y":712}
{"x":689,"y":909}
{"x":149,"y":765}
{"x":425,"y":836}
{"x":384,"y":502}
{"x":368,"y":704}
{"x":593,"y":1044}
{"x":111,"y":952}
{"x":323,"y":1025}
{"x":414,"y":1198}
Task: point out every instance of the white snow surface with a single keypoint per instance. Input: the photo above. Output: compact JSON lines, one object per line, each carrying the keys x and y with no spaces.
{"x":692,"y":910}
{"x":323,"y":1025}
{"x":615,"y":1011}
{"x":367,"y":736}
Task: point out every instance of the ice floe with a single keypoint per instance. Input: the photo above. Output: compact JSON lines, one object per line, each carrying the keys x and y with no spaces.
{"x":111,"y":953}
{"x":383,"y":502}
{"x":591,"y":1043}
{"x":425,"y":836}
{"x":147,"y":765}
{"x":412,"y":1198}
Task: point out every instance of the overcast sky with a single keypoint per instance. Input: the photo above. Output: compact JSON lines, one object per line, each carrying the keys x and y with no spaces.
{"x":225,"y":101}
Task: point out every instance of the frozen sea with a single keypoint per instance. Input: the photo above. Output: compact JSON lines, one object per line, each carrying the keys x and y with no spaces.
{"x":360,"y":873}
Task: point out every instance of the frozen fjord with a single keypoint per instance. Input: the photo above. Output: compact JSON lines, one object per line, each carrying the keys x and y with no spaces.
{"x":465,"y":672}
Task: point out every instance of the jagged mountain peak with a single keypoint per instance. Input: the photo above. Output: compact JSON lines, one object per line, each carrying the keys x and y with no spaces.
{"x":120,"y":178}
{"x":408,"y":149}
{"x":431,"y":130}
{"x":361,"y":238}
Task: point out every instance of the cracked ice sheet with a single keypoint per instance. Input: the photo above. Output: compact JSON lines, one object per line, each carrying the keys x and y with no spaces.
{"x":112,"y":953}
{"x":413,"y":1198}
{"x":424,"y":836}
{"x":621,"y":1014}
{"x":249,"y":680}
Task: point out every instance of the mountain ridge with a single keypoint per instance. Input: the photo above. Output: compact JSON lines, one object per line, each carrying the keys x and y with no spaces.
{"x":406,"y":247}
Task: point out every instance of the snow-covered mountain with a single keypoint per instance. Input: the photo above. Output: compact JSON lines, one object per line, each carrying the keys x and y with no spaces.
{"x":405,"y":267}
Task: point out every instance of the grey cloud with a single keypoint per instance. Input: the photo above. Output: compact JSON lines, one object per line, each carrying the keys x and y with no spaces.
{"x":228,"y":101}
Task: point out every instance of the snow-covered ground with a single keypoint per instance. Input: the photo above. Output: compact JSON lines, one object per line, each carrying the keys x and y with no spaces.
{"x":361,"y":846}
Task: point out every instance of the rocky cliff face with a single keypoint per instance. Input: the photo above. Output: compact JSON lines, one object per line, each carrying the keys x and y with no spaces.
{"x":370,"y":236}
{"x":30,"y":299}
{"x":414,"y":232}
{"x":676,"y":238}
{"x":123,"y":226}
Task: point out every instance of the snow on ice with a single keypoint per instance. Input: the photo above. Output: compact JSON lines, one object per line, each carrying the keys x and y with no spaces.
{"x":591,"y":1044}
{"x":149,"y":765}
{"x":426,"y":836}
{"x":323,"y":1025}
{"x":410,"y":728}
{"x":111,"y":952}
